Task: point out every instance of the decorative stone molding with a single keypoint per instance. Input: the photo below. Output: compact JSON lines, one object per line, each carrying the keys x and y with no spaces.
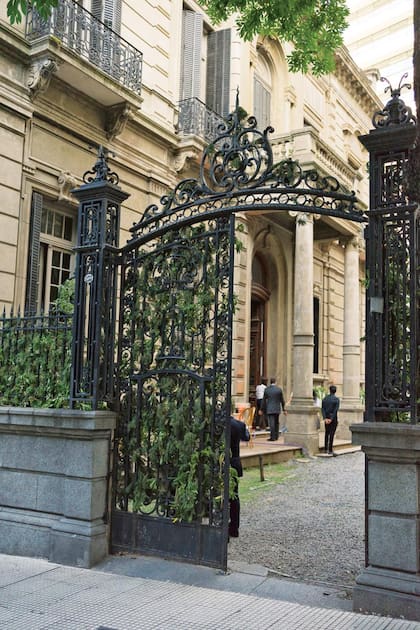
{"x":40,"y":75}
{"x":183,"y":157}
{"x":350,"y":241}
{"x":29,"y":170}
{"x":117,"y":117}
{"x":304,"y":217}
{"x":66,"y":182}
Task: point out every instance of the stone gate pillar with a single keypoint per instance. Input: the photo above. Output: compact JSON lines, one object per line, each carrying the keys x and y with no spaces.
{"x":302,"y":416}
{"x":390,"y":435}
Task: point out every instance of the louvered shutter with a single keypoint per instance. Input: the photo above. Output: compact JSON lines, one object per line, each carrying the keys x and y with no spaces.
{"x":192,"y":33}
{"x":218,"y":71}
{"x":96,"y":9}
{"x":108,"y":12}
{"x":262,"y":104}
{"x":32,"y":275}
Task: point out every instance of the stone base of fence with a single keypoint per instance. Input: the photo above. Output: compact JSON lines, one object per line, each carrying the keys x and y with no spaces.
{"x":390,"y":583}
{"x":54,"y":480}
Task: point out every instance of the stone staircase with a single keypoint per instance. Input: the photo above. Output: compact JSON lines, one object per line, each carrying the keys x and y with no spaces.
{"x":259,"y":451}
{"x":341,"y":447}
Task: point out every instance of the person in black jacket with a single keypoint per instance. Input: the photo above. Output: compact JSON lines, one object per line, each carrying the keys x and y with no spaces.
{"x":330,"y":405}
{"x":273,"y":404}
{"x":238,"y":431}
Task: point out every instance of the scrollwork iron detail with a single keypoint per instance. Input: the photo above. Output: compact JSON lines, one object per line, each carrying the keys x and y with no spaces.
{"x":237,"y":173}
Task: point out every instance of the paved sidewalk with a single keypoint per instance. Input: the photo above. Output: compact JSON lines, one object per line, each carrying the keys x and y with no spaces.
{"x":156,"y":594}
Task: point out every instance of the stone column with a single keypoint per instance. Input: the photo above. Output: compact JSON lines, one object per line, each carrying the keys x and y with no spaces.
{"x":302,"y":414}
{"x":351,"y":345}
{"x":390,"y":582}
{"x":351,"y":408}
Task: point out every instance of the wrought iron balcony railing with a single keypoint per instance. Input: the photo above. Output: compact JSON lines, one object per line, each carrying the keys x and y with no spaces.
{"x":79,"y":31}
{"x":195,"y":118}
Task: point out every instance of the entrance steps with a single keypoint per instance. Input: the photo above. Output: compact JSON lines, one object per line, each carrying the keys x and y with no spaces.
{"x":259,"y":451}
{"x":341,"y":447}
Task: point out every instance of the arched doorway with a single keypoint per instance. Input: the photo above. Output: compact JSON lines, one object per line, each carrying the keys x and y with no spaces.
{"x":260,"y":295}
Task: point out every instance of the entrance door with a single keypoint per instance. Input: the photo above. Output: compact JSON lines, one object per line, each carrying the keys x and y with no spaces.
{"x":257,"y":345}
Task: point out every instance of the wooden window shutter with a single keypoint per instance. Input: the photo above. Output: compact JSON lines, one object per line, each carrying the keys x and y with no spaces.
{"x":96,"y":9}
{"x":192,"y":33}
{"x":32,"y":275}
{"x":262,"y":104}
{"x":108,"y":12}
{"x":218,"y":71}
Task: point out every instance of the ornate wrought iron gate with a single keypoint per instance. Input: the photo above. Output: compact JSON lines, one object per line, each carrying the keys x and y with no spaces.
{"x":174,"y":363}
{"x":171,"y":379}
{"x":171,"y":490}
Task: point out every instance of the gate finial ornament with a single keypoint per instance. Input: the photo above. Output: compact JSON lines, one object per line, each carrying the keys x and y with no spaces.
{"x":395,"y":112}
{"x":101,"y":171}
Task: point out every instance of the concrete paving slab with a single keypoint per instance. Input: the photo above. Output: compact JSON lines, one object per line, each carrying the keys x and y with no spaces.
{"x":144,"y":603}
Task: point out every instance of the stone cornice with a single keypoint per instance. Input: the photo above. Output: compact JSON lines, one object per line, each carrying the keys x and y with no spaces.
{"x":356,"y":82}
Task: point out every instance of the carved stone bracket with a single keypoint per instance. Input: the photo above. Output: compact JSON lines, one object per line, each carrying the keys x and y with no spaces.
{"x":66,"y":182}
{"x":184,"y":156}
{"x":40,"y":75}
{"x":117,"y":117}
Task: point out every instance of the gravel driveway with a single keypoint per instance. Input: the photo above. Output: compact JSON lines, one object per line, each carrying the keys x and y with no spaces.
{"x":310,"y":527}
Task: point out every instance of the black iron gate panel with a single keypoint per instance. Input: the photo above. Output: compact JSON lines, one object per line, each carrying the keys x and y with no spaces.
{"x":392,"y":325}
{"x":392,"y":268}
{"x":171,"y":467}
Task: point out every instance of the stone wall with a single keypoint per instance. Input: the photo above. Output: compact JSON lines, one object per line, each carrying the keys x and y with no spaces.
{"x":54,"y":474}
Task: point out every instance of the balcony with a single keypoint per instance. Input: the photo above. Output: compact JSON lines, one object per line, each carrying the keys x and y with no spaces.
{"x":74,"y":30}
{"x":196,"y":119}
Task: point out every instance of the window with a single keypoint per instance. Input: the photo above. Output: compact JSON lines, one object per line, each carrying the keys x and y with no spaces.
{"x":262,"y":93}
{"x":50,"y":256}
{"x":316,"y":336}
{"x":205,"y":64}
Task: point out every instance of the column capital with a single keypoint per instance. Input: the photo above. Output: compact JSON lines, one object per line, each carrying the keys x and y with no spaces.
{"x":303,"y":217}
{"x":351,"y":241}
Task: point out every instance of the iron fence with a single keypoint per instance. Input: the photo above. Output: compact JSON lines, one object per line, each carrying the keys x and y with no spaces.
{"x":35,"y":359}
{"x":79,"y":31}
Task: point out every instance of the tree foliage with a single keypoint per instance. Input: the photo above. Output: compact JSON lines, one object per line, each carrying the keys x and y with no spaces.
{"x":314,"y":27}
{"x":17,"y":8}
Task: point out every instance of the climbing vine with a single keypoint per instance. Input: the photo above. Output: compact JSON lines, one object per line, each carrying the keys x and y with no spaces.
{"x":174,"y":328}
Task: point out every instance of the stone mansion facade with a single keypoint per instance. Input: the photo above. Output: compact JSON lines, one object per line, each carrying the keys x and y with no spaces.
{"x":150,"y":81}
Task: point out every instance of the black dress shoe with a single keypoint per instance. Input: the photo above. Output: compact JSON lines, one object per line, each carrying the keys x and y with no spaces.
{"x":270,"y":440}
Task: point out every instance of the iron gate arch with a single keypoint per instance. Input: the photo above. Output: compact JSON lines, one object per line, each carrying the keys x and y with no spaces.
{"x":171,"y":484}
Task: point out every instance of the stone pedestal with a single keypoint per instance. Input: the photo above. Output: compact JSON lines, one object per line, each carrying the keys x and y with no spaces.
{"x":54,"y":473}
{"x":390,"y":583}
{"x":348,"y":414}
{"x":302,"y":429}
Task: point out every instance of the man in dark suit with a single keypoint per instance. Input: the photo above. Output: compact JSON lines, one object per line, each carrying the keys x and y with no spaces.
{"x":273,"y":405}
{"x":238,"y":431}
{"x":330,"y":405}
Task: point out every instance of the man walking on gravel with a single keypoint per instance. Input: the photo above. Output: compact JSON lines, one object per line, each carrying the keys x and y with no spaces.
{"x":330,"y":405}
{"x":272,"y":406}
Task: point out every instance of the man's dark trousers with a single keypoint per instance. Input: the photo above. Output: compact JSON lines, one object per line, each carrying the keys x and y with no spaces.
{"x":329,"y":435}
